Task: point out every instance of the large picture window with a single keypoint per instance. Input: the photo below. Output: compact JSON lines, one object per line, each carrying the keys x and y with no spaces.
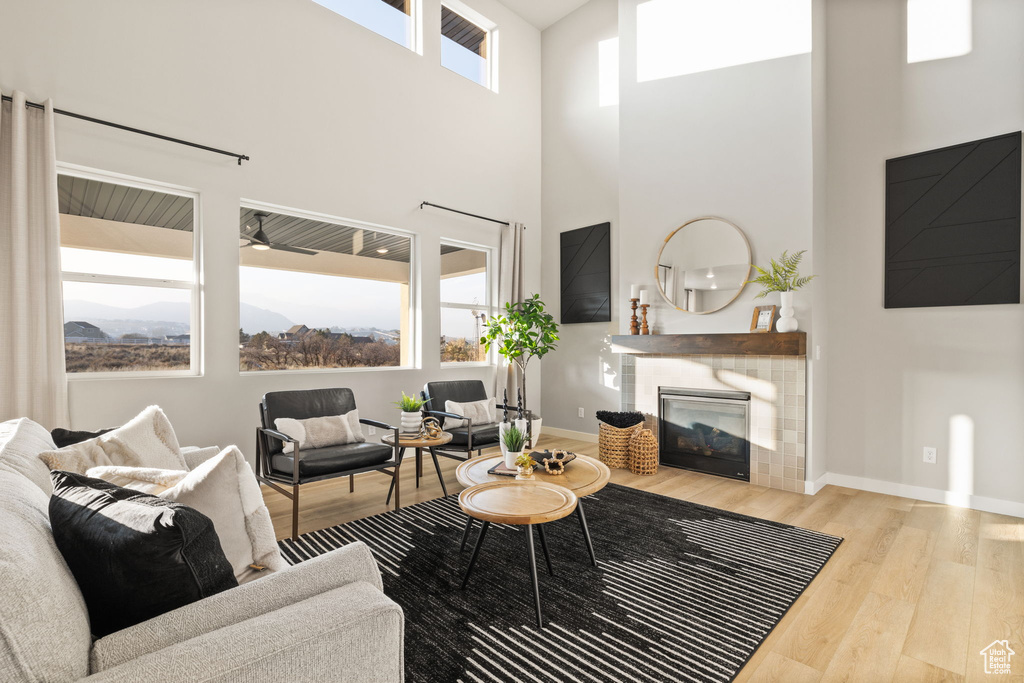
{"x":465,"y":302}
{"x":129,"y":275}
{"x":319,"y":294}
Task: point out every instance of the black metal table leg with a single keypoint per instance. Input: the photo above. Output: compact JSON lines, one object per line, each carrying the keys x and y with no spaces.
{"x":419,"y":466}
{"x":586,"y":531}
{"x":544,"y":547}
{"x":533,"y":572}
{"x":437,"y":466}
{"x":391,"y":489}
{"x":465,"y":534}
{"x":476,"y":551}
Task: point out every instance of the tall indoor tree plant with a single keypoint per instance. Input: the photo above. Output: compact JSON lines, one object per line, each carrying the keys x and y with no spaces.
{"x":524,"y":332}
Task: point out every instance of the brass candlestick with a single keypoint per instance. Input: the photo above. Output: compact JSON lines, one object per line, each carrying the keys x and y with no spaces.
{"x":643,"y":313}
{"x":634,"y":327}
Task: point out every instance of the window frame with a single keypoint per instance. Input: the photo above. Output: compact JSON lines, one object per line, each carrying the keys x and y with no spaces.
{"x":485,"y":25}
{"x":415,"y":349}
{"x":415,"y":26}
{"x":490,"y":287}
{"x":196,"y":355}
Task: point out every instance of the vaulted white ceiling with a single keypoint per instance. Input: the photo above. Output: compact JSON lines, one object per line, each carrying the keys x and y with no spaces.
{"x":543,"y":13}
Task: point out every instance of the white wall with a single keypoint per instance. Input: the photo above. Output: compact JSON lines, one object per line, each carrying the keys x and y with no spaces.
{"x":900,"y":375}
{"x":336,"y":119}
{"x":581,"y":147}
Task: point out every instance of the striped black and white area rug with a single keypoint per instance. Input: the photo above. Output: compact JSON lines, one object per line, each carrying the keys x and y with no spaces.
{"x":683,"y":592}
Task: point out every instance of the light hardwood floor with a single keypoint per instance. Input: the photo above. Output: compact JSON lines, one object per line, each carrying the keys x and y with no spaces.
{"x":915,"y":591}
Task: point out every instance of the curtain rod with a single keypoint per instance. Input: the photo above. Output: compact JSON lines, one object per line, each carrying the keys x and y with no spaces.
{"x":63,"y":112}
{"x":466,"y":213}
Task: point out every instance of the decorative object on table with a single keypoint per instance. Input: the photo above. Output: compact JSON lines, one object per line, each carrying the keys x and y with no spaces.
{"x":703,"y":265}
{"x":524,"y":332}
{"x":586,"y":269}
{"x":502,"y":470}
{"x":614,"y":433}
{"x":764,"y":318}
{"x":514,"y":440}
{"x":783,"y":276}
{"x":430,"y":428}
{"x":634,"y":300}
{"x":643,"y":453}
{"x":959,"y":244}
{"x":554,"y":461}
{"x":525,"y":463}
{"x":412,"y":419}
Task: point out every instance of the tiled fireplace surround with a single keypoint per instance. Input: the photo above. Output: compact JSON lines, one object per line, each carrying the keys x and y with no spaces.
{"x":777,"y":386}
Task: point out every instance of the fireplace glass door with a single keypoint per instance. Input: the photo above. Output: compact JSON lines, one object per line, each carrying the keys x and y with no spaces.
{"x":706,"y":431}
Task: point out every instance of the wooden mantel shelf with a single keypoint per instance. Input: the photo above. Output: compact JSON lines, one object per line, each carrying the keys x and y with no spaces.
{"x":744,"y":344}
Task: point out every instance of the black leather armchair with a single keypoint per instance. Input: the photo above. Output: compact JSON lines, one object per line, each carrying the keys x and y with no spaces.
{"x":278,"y":469}
{"x":472,"y":437}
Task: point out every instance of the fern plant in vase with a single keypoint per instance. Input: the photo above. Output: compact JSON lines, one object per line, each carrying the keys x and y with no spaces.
{"x":783,"y":276}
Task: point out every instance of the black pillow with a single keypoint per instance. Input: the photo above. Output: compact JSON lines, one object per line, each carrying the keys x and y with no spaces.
{"x":66,"y":437}
{"x":134,"y":556}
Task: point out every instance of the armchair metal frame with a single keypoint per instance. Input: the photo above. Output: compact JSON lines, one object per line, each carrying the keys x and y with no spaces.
{"x":459,"y":452}
{"x":266,"y":474}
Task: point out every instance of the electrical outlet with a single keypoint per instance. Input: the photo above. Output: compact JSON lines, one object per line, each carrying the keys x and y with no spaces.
{"x":930,"y":454}
{"x":580,"y":412}
{"x":373,"y":430}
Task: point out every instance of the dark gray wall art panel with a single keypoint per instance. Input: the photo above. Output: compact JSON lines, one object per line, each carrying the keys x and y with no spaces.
{"x":587,"y":274}
{"x":952,"y":225}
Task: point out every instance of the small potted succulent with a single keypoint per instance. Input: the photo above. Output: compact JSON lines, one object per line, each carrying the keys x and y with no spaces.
{"x":514,"y":439}
{"x":525,"y":464}
{"x":411,"y":416}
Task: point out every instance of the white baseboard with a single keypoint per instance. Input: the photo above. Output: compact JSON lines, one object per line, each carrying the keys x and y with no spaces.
{"x":891,"y":488}
{"x":568,"y":434}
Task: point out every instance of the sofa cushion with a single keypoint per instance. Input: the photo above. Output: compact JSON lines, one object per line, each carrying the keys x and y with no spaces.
{"x":483,"y":435}
{"x":148,"y":440}
{"x":44,"y":626}
{"x":321,"y":461}
{"x":134,"y":556}
{"x":21,"y":442}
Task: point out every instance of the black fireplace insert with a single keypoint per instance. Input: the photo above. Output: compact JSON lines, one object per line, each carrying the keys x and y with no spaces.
{"x":705,"y":430}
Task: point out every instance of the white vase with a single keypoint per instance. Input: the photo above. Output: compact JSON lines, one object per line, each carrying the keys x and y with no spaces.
{"x":511,"y":457}
{"x":786,"y":322}
{"x":411,"y":423}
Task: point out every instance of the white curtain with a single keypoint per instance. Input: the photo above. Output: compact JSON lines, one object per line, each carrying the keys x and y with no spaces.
{"x":510,"y":290}
{"x":33,"y":382}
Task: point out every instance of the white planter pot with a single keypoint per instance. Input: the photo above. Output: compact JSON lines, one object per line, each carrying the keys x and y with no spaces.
{"x":510,"y":459}
{"x":410,"y":423}
{"x":786,"y":322}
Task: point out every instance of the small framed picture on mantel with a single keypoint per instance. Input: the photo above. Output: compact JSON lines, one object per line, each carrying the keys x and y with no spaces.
{"x":764,"y":319}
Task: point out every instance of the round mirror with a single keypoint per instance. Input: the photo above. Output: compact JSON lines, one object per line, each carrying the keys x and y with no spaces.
{"x":703,"y":265}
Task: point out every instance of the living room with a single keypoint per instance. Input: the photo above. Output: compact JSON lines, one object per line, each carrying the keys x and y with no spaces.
{"x":327,"y":233}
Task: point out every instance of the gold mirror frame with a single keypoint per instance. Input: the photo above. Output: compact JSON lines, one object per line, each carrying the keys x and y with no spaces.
{"x":750,"y":264}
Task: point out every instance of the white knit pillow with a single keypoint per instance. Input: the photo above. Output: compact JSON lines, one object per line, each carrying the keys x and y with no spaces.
{"x":480,"y":412}
{"x":146,"y":479}
{"x":320,"y":432}
{"x":148,"y":440}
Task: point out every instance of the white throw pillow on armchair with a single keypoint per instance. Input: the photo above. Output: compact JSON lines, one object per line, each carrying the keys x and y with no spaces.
{"x":224,"y":489}
{"x":480,"y":412}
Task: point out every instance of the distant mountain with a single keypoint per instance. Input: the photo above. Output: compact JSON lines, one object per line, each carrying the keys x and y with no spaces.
{"x":164,"y":314}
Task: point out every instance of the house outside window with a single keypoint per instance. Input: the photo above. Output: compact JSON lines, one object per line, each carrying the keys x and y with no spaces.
{"x":322,"y":293}
{"x":469,"y":44}
{"x":130,"y":276}
{"x":466,"y":301}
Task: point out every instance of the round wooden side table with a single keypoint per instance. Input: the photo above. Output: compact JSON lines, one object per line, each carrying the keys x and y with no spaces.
{"x":524,"y":504}
{"x":419,"y":443}
{"x":583,"y":476}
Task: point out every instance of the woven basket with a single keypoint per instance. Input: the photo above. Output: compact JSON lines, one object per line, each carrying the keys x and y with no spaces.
{"x":643,"y":453}
{"x":613,"y":444}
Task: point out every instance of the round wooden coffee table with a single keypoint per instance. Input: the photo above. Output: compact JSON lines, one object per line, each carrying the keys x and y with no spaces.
{"x":523,"y":503}
{"x":583,"y":476}
{"x":419,"y":443}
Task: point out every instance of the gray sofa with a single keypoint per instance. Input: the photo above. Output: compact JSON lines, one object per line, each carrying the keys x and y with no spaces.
{"x":325,"y":619}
